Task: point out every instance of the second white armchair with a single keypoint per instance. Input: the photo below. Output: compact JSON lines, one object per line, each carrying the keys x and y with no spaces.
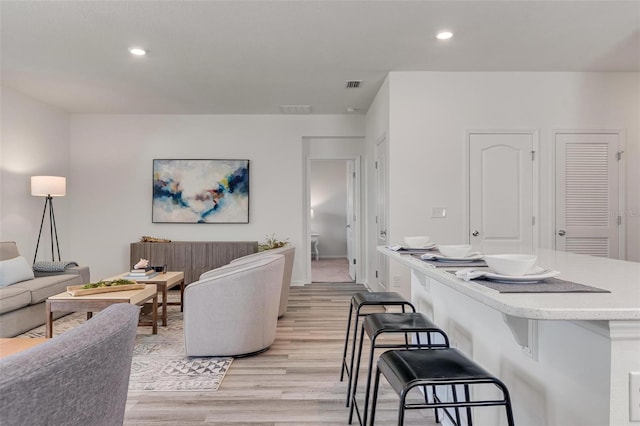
{"x":289,"y":253}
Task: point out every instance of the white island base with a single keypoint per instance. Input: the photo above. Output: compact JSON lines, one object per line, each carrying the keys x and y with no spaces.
{"x":565,"y":357}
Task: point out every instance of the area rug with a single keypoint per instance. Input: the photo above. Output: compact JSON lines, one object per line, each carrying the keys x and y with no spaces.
{"x":158,"y":362}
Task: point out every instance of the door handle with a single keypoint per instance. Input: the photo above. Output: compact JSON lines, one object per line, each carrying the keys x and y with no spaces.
{"x":349,"y":226}
{"x":561,"y":232}
{"x":383,"y":233}
{"x":475,"y":233}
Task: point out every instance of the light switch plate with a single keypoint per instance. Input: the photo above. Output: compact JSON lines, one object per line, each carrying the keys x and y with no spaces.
{"x":395,"y":281}
{"x":438,"y":212}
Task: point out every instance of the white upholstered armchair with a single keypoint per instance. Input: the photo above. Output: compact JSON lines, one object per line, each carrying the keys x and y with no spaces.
{"x":289,"y":253}
{"x":233,"y":310}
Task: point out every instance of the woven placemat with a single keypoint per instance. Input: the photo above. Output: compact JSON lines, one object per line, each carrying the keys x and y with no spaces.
{"x":550,"y":285}
{"x":462,"y":264}
{"x":404,"y":250}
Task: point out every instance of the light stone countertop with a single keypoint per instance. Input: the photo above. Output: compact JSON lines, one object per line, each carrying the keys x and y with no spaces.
{"x":622,"y":278}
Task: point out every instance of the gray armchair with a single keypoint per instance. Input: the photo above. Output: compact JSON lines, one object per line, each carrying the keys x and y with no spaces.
{"x":233,"y":310}
{"x":80,"y":377}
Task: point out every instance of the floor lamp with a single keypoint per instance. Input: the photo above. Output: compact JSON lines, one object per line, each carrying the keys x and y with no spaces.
{"x":48,"y":186}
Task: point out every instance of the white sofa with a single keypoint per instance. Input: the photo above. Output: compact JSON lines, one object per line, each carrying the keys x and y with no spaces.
{"x":233,"y":310}
{"x":289,"y":253}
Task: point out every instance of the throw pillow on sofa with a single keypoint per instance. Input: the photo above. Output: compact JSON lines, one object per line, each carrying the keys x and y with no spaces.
{"x":14,"y":271}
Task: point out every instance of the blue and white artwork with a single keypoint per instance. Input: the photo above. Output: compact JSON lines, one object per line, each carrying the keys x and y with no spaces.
{"x":201,"y":191}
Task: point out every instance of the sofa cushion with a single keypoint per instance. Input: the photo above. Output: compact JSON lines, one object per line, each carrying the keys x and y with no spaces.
{"x":14,"y":270}
{"x":43,"y":287}
{"x":13,"y":297}
{"x":8,"y":250}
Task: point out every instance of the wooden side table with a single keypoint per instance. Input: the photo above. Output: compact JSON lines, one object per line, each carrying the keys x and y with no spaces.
{"x":90,"y":303}
{"x":163,"y":282}
{"x":13,"y":345}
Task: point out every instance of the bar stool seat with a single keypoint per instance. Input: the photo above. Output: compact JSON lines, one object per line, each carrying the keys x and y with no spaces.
{"x":406,"y":369}
{"x":378,"y":298}
{"x":358,"y":302}
{"x":377,"y":324}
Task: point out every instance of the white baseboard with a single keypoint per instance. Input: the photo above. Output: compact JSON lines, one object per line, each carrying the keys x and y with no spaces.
{"x":332,"y":257}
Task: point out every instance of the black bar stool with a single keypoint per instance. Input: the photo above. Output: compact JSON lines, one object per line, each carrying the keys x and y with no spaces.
{"x":377,"y":324}
{"x":359,"y":301}
{"x":406,"y":369}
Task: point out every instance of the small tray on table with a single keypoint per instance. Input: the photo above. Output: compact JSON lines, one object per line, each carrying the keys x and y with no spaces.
{"x":78,"y":290}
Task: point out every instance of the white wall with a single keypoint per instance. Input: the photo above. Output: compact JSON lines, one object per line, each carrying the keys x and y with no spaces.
{"x":34,"y":141}
{"x":111,"y":157}
{"x":329,"y":202}
{"x":430,"y":112}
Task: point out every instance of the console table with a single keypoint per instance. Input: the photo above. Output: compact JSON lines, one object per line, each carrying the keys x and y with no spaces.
{"x":191,"y":257}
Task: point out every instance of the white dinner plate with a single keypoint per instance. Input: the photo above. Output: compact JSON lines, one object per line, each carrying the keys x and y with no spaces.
{"x":427,"y":247}
{"x":441,"y":258}
{"x":535,"y":276}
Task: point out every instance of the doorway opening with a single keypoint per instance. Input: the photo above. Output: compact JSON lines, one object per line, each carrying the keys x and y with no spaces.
{"x":331,"y":195}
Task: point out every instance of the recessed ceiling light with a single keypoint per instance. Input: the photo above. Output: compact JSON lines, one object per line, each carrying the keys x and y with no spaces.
{"x":137,"y":51}
{"x":444,"y":35}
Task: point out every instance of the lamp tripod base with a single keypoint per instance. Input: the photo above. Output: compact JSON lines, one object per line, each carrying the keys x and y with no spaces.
{"x":53,"y":230}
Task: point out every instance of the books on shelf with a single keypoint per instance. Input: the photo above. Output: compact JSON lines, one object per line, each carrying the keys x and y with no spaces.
{"x":141,"y":277}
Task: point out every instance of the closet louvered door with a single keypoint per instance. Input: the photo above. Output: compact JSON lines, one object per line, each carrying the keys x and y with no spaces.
{"x":587,"y":193}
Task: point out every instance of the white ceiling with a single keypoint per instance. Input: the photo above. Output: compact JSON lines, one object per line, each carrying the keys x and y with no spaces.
{"x":252,"y":56}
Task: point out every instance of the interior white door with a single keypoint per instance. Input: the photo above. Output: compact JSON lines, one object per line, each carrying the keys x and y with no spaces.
{"x":351,"y":217}
{"x":381,"y":212}
{"x":587,"y":193}
{"x":501,"y":191}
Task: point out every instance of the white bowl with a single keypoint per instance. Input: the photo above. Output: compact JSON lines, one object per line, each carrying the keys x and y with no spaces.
{"x":511,"y":264}
{"x":416,"y":242}
{"x":456,"y":250}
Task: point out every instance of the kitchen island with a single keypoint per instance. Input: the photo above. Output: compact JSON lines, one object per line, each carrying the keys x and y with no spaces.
{"x":566,"y":357}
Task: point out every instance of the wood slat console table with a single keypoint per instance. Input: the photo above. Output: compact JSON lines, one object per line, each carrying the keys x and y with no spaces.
{"x":192,"y":257}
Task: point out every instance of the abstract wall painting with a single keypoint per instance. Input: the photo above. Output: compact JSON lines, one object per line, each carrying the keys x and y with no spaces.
{"x":200,"y":191}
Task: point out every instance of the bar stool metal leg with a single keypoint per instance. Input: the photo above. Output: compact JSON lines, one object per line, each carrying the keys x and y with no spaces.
{"x":374,"y":400}
{"x":346,"y":343}
{"x":353,"y":352}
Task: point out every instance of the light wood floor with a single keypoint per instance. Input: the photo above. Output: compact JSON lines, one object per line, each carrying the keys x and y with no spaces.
{"x":295,"y":382}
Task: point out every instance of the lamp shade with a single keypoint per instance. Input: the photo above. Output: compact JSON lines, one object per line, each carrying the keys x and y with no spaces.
{"x":41,"y":186}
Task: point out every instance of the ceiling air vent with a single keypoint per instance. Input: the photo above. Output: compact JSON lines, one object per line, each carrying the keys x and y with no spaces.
{"x":353,"y":84}
{"x":295,"y":109}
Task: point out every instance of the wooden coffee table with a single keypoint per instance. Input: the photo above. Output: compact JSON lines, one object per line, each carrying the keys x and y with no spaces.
{"x":164,"y":282}
{"x":90,"y":303}
{"x":13,"y":345}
